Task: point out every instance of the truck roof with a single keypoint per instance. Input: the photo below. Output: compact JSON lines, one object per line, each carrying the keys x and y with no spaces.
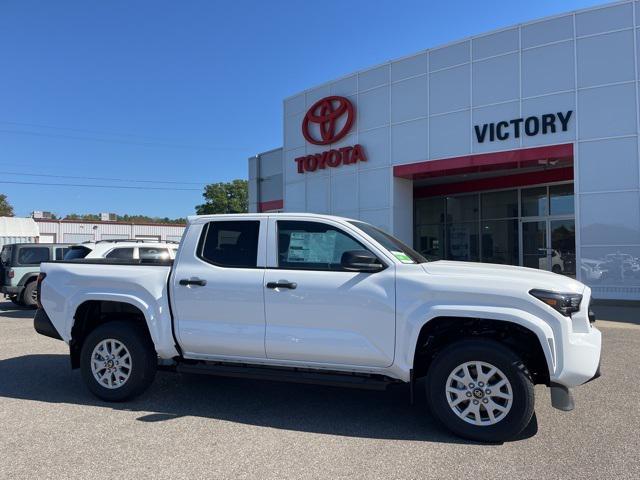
{"x":195,"y":218}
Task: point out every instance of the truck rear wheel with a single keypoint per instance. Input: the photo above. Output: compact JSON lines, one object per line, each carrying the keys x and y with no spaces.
{"x":480,"y":390}
{"x":118,"y":361}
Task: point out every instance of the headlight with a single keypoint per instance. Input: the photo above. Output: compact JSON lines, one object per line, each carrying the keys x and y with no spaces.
{"x":565,"y":303}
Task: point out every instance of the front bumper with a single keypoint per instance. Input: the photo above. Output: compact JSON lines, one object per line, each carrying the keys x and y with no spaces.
{"x":42,"y":324}
{"x":578,"y":358}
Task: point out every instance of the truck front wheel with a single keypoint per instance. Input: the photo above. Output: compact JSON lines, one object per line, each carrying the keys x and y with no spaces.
{"x":480,"y":390}
{"x":118,"y":361}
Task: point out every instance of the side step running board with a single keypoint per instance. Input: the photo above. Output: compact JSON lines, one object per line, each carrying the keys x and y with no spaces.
{"x":294,"y":375}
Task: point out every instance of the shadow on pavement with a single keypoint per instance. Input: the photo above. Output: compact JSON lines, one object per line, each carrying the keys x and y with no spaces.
{"x":307,"y":408}
{"x":11,"y":310}
{"x":617,"y":311}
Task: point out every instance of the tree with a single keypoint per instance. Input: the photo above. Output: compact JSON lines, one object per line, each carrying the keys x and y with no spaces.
{"x":6,"y":210}
{"x":91,"y":217}
{"x":231,"y":197}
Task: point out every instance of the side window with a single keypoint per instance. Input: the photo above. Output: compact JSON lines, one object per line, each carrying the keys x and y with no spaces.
{"x":150,"y":253}
{"x":312,"y":245}
{"x":230,"y":244}
{"x":121,"y":254}
{"x":33,"y":255}
{"x":61,"y":252}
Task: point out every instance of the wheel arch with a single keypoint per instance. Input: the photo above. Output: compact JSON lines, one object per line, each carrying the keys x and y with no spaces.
{"x":92,"y":313}
{"x":530,"y":340}
{"x":27,"y":278}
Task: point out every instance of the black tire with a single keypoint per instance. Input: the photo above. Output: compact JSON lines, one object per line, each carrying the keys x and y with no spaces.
{"x":144,"y":360}
{"x":556,"y":269}
{"x":16,"y":300}
{"x":29,"y":295}
{"x":497,"y":355}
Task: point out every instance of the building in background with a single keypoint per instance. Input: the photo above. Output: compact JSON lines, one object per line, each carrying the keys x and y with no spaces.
{"x":41,"y":214}
{"x":18,"y":230}
{"x":78,"y":231}
{"x":519,"y":146}
{"x":265,"y":181}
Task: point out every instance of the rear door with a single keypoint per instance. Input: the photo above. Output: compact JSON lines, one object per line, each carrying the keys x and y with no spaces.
{"x":326,"y":314}
{"x":217,"y":292}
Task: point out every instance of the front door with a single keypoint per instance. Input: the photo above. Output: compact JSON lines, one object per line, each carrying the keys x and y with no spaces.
{"x":317,"y":312}
{"x":218,"y":290}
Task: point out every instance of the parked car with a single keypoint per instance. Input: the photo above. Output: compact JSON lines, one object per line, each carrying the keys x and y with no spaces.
{"x":20,"y":265}
{"x":323,"y":299}
{"x":124,"y":250}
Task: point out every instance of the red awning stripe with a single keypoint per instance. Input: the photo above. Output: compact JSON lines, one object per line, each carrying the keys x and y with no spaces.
{"x":482,"y":162}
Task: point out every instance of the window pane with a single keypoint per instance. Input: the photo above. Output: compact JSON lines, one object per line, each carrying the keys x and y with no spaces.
{"x":429,"y":210}
{"x":561,"y":199}
{"x":462,"y":242}
{"x":232,"y":244}
{"x":33,"y":255}
{"x":500,"y":204}
{"x":534,"y":202}
{"x":150,"y":253}
{"x":462,"y":209}
{"x":121,"y":254}
{"x":563,"y":247}
{"x":61,"y":252}
{"x":76,"y":252}
{"x":534,"y":244}
{"x":312,"y":245}
{"x":5,"y":256}
{"x":390,"y":242}
{"x":430,"y":241}
{"x":500,"y":242}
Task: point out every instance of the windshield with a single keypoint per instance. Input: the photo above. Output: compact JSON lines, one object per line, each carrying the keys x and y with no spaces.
{"x":402,"y":252}
{"x":76,"y":252}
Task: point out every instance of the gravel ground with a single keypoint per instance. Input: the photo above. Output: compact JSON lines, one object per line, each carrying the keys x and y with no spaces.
{"x":205,"y":427}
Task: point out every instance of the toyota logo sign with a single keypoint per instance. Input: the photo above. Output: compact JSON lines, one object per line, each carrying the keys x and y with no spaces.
{"x":327,"y":121}
{"x":326,"y":113}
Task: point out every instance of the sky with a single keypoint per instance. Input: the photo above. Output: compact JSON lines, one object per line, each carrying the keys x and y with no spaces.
{"x":163,"y":97}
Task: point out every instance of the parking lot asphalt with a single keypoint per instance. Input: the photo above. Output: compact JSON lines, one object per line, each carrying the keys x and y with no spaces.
{"x":206,"y":427}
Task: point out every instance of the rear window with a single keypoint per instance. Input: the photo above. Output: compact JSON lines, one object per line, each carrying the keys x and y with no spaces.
{"x":231,"y":244}
{"x":5,"y":255}
{"x":33,"y":255}
{"x":74,"y":253}
{"x":150,"y":253}
{"x":121,"y":254}
{"x":61,"y":252}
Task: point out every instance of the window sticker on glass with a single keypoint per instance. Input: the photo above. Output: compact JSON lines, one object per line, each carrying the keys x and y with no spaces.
{"x":403,"y":257}
{"x":312,"y":247}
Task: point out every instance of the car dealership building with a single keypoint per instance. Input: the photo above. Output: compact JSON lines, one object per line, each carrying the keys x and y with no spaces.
{"x":520,"y":147}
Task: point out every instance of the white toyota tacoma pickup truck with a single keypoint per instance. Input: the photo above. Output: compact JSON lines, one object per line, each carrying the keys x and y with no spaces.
{"x":322,"y":299}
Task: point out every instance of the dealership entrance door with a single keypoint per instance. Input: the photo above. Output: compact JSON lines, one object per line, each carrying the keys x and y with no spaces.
{"x":518,"y":212}
{"x":532,"y":227}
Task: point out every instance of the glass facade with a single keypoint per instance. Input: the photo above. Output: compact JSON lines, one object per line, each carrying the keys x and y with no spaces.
{"x":533,"y":227}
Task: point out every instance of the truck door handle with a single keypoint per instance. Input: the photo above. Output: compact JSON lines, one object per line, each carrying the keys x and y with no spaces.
{"x":282,"y":284}
{"x":193,"y":281}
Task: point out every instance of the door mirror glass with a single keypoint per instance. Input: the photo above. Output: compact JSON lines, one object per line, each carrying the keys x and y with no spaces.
{"x":360,"y":261}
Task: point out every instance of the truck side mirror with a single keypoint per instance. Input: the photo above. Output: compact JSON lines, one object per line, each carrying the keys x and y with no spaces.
{"x":360,"y":261}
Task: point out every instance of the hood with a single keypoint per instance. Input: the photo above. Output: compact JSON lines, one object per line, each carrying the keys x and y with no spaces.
{"x":486,"y":273}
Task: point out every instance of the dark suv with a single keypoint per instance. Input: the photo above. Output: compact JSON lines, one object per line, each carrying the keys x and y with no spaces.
{"x":20,"y":265}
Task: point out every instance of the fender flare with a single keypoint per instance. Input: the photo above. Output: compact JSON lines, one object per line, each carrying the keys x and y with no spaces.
{"x":150,"y":316}
{"x":538,"y":327}
{"x":27,"y":277}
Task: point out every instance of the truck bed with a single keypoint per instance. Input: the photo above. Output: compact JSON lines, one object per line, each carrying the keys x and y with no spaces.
{"x":143,"y":284}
